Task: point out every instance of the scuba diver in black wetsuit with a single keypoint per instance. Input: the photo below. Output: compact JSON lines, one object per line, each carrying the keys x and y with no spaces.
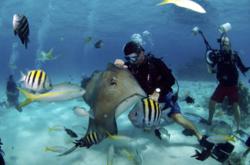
{"x":12,"y":92}
{"x":224,"y":63}
{"x":151,"y":73}
{"x":2,"y":162}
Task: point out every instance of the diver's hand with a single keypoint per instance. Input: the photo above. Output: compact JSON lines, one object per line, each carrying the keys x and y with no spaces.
{"x":202,"y":155}
{"x":120,"y":63}
{"x":189,"y":100}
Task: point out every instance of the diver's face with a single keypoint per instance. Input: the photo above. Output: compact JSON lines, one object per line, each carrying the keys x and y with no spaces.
{"x":140,"y":58}
{"x":135,"y":58}
{"x":226,"y":46}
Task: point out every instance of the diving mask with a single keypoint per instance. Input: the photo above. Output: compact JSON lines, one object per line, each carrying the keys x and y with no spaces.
{"x":133,"y":57}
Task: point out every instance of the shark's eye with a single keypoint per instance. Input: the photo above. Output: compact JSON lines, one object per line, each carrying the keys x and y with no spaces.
{"x":135,"y":113}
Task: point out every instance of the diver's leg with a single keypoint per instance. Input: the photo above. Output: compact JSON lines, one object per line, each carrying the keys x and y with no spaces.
{"x":233,"y":97}
{"x":211,"y":108}
{"x":217,"y":97}
{"x":178,"y":118}
{"x":236,"y":110}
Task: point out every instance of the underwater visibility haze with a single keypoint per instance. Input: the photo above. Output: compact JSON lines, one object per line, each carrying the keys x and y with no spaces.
{"x":55,"y":56}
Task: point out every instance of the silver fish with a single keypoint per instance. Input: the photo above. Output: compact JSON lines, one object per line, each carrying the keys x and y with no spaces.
{"x":59,"y":92}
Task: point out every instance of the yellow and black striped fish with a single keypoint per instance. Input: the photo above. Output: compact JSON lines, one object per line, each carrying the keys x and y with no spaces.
{"x":145,"y":114}
{"x":36,"y":81}
{"x":152,"y":112}
{"x":91,"y":138}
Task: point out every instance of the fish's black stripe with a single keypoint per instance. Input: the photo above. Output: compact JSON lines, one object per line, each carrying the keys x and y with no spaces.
{"x":40,"y":79}
{"x":45,"y":79}
{"x":159,"y":111}
{"x":96,"y":138}
{"x":88,"y":140}
{"x":144,"y":110}
{"x":28,"y":82}
{"x":25,"y":32}
{"x":151,"y":108}
{"x":34,"y":78}
{"x":26,"y":77}
{"x":156,"y":111}
{"x":92,"y":138}
{"x":96,"y":141}
{"x":23,"y":24}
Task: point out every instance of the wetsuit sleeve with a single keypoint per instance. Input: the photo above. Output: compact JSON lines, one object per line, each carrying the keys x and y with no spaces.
{"x":240,"y":65}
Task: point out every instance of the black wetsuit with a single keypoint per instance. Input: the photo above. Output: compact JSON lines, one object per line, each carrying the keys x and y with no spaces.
{"x":227,"y":64}
{"x":12,"y":92}
{"x":152,"y":74}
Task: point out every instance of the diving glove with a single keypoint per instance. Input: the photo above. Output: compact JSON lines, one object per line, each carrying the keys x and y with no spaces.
{"x":202,"y":155}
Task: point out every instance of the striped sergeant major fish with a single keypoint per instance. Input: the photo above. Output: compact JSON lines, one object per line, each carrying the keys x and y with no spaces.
{"x":36,"y":81}
{"x":90,"y":139}
{"x":21,"y":28}
{"x":146,"y":114}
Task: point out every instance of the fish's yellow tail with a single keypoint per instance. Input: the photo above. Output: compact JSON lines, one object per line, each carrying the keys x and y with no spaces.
{"x":230,"y":138}
{"x":46,"y":149}
{"x":29,"y":98}
{"x":188,"y":4}
{"x":164,"y":2}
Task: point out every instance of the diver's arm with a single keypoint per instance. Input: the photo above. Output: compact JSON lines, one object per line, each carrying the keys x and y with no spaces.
{"x":240,"y":65}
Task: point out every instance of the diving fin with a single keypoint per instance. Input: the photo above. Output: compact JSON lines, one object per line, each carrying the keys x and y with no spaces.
{"x":222,"y":151}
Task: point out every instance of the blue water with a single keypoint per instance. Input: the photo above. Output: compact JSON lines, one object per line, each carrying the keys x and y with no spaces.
{"x":63,"y":25}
